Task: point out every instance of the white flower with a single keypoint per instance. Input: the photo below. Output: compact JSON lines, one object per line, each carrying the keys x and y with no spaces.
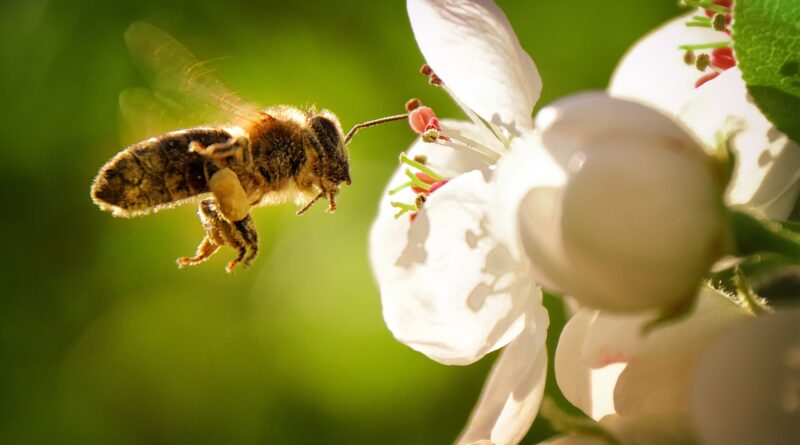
{"x":455,"y":279}
{"x":621,"y":208}
{"x":767,"y":170}
{"x":637,"y":384}
{"x":452,"y":286}
{"x":766,"y":174}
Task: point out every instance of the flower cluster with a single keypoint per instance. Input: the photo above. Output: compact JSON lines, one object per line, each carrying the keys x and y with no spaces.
{"x":616,"y":199}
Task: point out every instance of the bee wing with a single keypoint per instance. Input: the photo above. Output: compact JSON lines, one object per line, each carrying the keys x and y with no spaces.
{"x":145,"y":114}
{"x":180,"y":81}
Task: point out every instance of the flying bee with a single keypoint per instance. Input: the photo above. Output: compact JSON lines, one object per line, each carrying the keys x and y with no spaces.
{"x":259,"y":157}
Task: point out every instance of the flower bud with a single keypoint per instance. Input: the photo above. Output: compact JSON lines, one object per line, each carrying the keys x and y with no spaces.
{"x":633,"y":219}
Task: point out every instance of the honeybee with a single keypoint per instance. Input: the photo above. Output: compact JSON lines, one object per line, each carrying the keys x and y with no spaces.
{"x":260,"y":157}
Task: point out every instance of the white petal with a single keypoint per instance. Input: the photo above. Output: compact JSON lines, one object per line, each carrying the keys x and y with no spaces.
{"x":619,"y":338}
{"x":747,"y":388}
{"x":767,"y":169}
{"x":513,"y":392}
{"x":651,"y":429}
{"x":671,"y":429}
{"x":574,"y":440}
{"x":452,"y":292}
{"x":604,"y":363}
{"x":636,"y":219}
{"x":659,"y":384}
{"x":473,"y":49}
{"x":653,"y":71}
{"x":590,"y":388}
{"x":389,"y":236}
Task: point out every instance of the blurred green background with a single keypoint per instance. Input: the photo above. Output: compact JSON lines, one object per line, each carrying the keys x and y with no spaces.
{"x":104,"y":340}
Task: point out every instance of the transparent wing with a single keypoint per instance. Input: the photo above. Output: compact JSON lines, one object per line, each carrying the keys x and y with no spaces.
{"x":146,"y":114}
{"x":184,"y":89}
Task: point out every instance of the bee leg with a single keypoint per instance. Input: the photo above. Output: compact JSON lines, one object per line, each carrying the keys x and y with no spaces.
{"x":213,"y":240}
{"x":233,"y":147}
{"x":241,"y":235}
{"x":331,"y":201}
{"x":247,"y":236}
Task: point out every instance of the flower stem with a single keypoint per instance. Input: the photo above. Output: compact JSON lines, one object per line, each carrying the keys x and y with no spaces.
{"x":565,"y":422}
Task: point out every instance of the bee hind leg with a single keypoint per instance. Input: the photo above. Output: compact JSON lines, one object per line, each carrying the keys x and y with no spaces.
{"x":241,"y":235}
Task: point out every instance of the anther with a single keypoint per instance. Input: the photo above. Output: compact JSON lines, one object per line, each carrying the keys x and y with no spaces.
{"x":422,"y":159}
{"x":412,"y":104}
{"x":430,"y":135}
{"x":426,"y":70}
{"x":689,"y":57}
{"x":719,"y":22}
{"x":702,"y":62}
{"x":421,"y":118}
{"x":435,"y":80}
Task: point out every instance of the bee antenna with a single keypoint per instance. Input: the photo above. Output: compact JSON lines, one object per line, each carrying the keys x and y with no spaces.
{"x":372,"y":123}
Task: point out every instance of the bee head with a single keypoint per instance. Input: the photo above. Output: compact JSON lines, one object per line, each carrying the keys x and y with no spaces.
{"x":335,"y":165}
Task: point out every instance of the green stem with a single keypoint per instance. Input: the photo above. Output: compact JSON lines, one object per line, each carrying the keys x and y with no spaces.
{"x":748,"y":296}
{"x":755,"y":235}
{"x":565,"y":422}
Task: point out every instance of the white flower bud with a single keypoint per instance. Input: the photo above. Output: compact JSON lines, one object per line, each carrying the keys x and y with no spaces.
{"x":633,"y":218}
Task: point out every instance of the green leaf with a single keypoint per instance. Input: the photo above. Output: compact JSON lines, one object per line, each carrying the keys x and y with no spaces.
{"x":766,"y":38}
{"x":755,"y":235}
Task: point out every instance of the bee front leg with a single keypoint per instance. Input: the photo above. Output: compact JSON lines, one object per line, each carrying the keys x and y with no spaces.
{"x":331,"y":201}
{"x":241,"y":235}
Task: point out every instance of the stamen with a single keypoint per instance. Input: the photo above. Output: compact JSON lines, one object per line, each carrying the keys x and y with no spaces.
{"x":491,"y":132}
{"x":412,"y":104}
{"x":401,"y":187}
{"x":417,"y":182}
{"x":420,"y":166}
{"x":723,"y":44}
{"x":430,"y":135}
{"x":403,"y":208}
{"x":719,"y":22}
{"x":699,"y":20}
{"x":421,"y":118}
{"x":702,"y":62}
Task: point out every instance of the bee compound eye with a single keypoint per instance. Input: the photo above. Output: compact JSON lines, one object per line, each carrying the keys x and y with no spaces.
{"x":327,"y":132}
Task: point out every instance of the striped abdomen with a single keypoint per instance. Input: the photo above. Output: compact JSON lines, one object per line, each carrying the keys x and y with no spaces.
{"x":157,"y":173}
